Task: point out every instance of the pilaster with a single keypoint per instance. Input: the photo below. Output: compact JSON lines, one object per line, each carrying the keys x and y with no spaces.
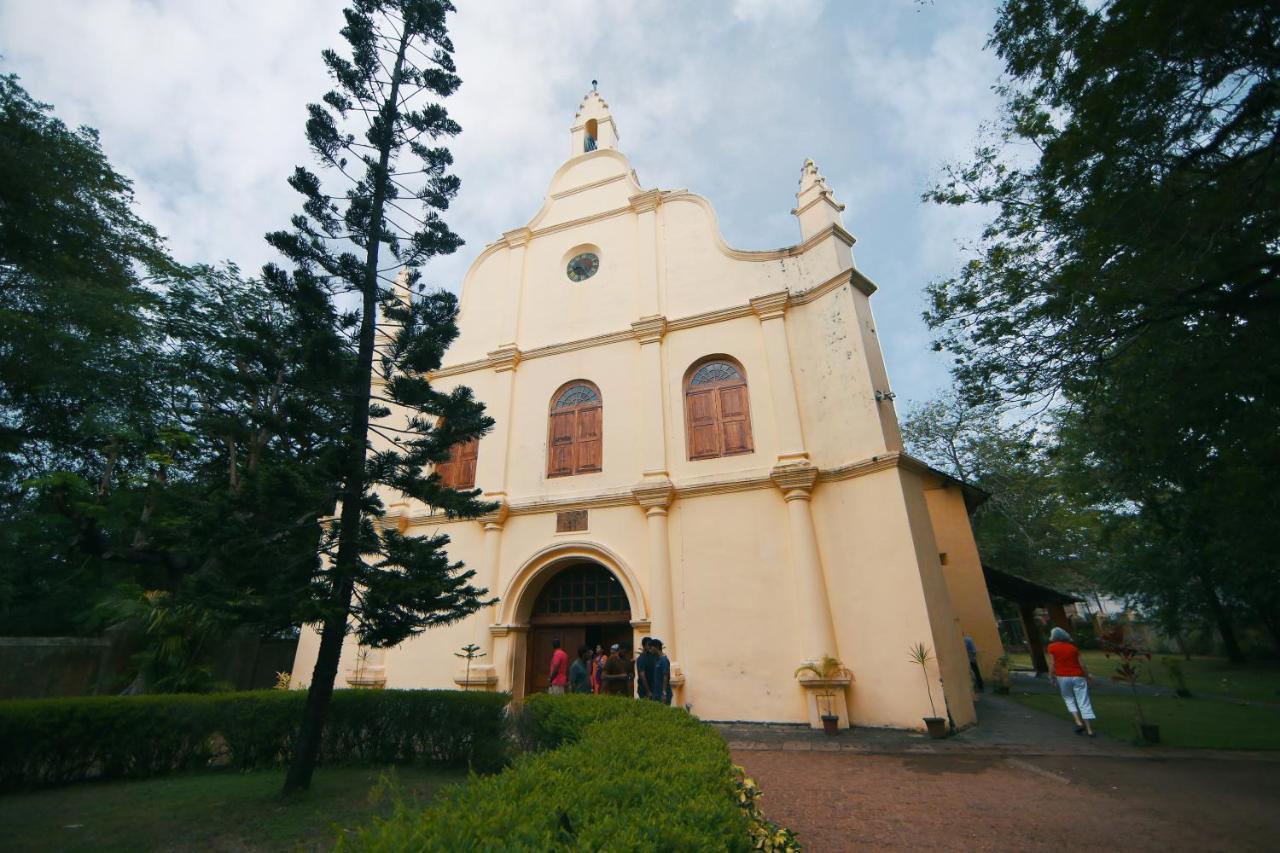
{"x":516,"y":241}
{"x":649,"y":331}
{"x":654,"y":497}
{"x":645,"y":206}
{"x":813,"y":607}
{"x":771,"y":309}
{"x":485,"y":674}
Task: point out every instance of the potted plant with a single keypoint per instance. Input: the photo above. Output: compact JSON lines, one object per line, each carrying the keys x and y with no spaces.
{"x":826,"y":672}
{"x":1000,"y":676}
{"x":1128,"y":670}
{"x":922,"y":655}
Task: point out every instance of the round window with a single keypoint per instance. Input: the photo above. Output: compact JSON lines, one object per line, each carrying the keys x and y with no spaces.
{"x":582,"y":267}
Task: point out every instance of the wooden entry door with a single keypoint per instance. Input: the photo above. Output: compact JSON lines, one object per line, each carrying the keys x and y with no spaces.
{"x":539,"y":657}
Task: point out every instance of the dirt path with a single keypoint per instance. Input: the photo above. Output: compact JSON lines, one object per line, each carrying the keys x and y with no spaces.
{"x":851,"y":801}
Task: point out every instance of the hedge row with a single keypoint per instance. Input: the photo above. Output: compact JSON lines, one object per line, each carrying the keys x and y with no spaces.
{"x":615,"y":774}
{"x":53,"y":741}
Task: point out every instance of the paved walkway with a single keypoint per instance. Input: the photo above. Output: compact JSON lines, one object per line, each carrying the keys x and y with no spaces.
{"x":1004,"y":728}
{"x":1021,"y":779}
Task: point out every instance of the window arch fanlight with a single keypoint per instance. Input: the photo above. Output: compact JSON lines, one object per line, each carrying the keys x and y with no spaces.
{"x":574,"y":430}
{"x":717,"y":409}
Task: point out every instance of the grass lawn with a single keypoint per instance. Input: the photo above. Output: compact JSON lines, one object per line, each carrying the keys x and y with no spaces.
{"x":1256,"y":680}
{"x":207,"y":811}
{"x":1198,"y":722}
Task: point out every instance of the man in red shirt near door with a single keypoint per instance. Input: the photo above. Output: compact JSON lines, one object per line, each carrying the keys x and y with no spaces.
{"x":559,"y":669}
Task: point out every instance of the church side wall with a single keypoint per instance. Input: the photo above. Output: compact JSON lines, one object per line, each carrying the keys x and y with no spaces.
{"x":882,"y":599}
{"x":832,"y":375}
{"x":966,"y":586}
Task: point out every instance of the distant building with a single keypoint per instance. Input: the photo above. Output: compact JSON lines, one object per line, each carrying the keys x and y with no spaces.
{"x":695,"y":443}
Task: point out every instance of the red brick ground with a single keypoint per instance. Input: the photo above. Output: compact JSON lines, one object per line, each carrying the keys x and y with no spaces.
{"x":851,"y":801}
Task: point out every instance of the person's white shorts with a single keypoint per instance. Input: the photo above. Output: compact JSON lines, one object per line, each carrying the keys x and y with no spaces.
{"x":1075,"y":692}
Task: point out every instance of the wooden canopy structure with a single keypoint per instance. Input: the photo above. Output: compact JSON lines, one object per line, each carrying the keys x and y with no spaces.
{"x":1029,"y":596}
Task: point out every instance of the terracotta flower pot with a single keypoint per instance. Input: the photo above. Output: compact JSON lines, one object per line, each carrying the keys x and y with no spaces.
{"x":937,"y":727}
{"x":831,"y":724}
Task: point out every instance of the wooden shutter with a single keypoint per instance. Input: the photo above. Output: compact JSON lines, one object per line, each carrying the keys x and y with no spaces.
{"x":463,"y":459}
{"x":588,"y":440}
{"x":700,"y":414}
{"x":560,"y":444}
{"x":448,"y":470}
{"x":735,"y":419}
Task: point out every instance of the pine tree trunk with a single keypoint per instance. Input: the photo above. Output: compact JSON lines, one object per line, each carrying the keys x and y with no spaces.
{"x":335,"y":627}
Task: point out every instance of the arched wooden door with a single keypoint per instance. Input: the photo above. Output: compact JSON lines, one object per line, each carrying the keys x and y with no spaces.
{"x":582,"y":603}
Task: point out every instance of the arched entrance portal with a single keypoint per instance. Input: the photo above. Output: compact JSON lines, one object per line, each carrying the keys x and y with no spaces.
{"x":582,"y":603}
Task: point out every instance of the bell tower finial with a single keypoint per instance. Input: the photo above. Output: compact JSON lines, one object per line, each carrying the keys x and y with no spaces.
{"x":816,"y":206}
{"x":593,"y":126}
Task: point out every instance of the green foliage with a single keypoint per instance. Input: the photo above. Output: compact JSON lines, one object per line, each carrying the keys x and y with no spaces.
{"x":921,"y":655}
{"x":74,"y":267}
{"x":1129,"y":276}
{"x":177,"y":812}
{"x":376,"y":134}
{"x":615,"y":774}
{"x":1128,"y":670}
{"x":1035,"y":524}
{"x":764,"y":833}
{"x":55,"y":741}
{"x":1192,"y":723}
{"x":1175,"y":675}
{"x":164,"y":432}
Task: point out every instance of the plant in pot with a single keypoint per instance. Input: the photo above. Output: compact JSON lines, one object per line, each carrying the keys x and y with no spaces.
{"x":1000,"y":675}
{"x":826,"y":671}
{"x":922,"y":655}
{"x":1129,"y":670}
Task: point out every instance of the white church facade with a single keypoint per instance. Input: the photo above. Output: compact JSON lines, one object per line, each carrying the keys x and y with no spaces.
{"x":695,"y":443}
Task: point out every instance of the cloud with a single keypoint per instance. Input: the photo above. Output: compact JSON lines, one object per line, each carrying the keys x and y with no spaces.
{"x":203,"y":106}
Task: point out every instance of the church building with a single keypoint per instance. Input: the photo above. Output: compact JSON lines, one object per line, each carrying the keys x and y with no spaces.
{"x":696,"y":443}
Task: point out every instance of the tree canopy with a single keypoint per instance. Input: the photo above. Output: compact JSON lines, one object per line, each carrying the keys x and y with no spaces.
{"x":1128,"y":277}
{"x":377,"y":135}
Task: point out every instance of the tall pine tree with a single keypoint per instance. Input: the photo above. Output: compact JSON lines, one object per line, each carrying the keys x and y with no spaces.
{"x":377,"y":130}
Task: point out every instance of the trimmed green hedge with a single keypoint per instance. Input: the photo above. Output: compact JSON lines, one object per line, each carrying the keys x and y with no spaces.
{"x":620,"y":774}
{"x":54,"y":741}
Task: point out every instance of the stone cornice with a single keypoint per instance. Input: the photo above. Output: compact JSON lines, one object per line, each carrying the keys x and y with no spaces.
{"x":826,"y":196}
{"x":655,"y":493}
{"x":591,"y":186}
{"x":497,"y":515}
{"x":706,"y":318}
{"x":648,"y":330}
{"x":645,"y":201}
{"x":793,"y":478}
{"x":504,"y":358}
{"x":798,"y":477}
{"x":892,"y":459}
{"x":771,"y":305}
{"x":517,"y":237}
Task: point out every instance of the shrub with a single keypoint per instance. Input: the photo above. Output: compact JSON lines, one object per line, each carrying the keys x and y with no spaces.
{"x":612,"y":774}
{"x":54,"y":741}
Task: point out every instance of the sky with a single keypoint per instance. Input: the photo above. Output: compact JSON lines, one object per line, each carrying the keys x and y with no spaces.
{"x":202,"y":105}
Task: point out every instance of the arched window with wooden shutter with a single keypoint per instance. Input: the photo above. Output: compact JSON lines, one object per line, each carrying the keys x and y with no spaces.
{"x":460,"y":471}
{"x":717,"y":409}
{"x":575,"y":430}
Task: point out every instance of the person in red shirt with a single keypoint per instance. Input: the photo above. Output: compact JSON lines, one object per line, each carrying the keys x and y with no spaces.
{"x":559,"y":669}
{"x":1072,"y":679}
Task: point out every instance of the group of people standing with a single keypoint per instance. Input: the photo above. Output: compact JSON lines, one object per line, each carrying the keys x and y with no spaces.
{"x":617,"y":672}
